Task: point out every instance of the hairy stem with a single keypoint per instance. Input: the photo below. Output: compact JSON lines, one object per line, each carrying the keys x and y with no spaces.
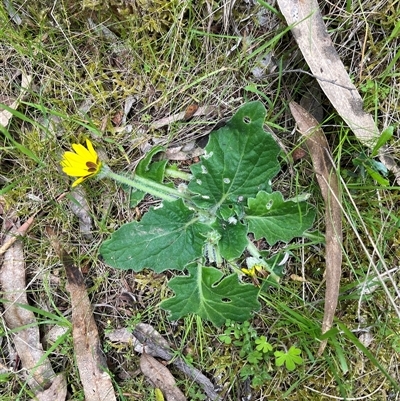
{"x":153,"y":188}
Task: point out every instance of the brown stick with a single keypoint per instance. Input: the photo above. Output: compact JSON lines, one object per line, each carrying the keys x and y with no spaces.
{"x":328,"y":181}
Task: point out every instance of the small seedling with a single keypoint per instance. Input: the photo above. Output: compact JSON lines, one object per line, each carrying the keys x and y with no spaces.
{"x":263,"y":345}
{"x":290,"y":358}
{"x":257,"y":352}
{"x":368,"y":165}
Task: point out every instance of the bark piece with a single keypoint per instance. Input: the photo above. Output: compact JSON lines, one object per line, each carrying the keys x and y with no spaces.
{"x":56,"y":392}
{"x":90,"y":360}
{"x":311,"y":35}
{"x":328,"y":181}
{"x":161,"y":378}
{"x":146,"y":337}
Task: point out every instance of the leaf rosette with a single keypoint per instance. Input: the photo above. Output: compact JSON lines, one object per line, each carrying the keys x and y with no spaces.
{"x":228,"y":197}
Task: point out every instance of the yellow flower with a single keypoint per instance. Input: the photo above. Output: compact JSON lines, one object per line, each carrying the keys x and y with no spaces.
{"x":255,"y":272}
{"x":82,"y":163}
{"x":252,"y":272}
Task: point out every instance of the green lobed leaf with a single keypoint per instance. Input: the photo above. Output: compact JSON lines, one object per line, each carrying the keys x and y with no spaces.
{"x":271,"y":217}
{"x":291,"y":358}
{"x":254,"y":357}
{"x":204,"y":293}
{"x":148,"y":169}
{"x":240,"y":159}
{"x":233,"y":239}
{"x":263,"y":345}
{"x":168,"y":237}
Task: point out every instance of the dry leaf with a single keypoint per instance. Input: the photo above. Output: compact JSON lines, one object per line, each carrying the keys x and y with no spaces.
{"x":5,"y":115}
{"x":366,"y":339}
{"x":12,"y":12}
{"x":328,"y":181}
{"x":161,"y":378}
{"x":186,"y":152}
{"x":80,"y":208}
{"x":295,"y":277}
{"x":205,"y":110}
{"x":190,"y":110}
{"x":117,"y":118}
{"x":91,"y":363}
{"x":39,"y":373}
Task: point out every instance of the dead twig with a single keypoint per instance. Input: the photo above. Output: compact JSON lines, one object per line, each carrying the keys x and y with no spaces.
{"x":19,"y":232}
{"x":145,"y":337}
{"x":328,"y":181}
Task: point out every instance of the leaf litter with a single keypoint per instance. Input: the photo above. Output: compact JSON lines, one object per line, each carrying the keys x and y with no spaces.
{"x":315,"y":43}
{"x":145,"y":339}
{"x":39,"y":374}
{"x":88,"y":353}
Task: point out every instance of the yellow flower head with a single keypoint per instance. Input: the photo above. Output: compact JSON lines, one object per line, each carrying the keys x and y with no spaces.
{"x":82,"y":163}
{"x":252,"y":272}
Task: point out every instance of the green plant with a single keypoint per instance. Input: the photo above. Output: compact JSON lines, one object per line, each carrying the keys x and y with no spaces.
{"x":205,"y":226}
{"x":196,"y":394}
{"x":239,"y":334}
{"x":256,"y":351}
{"x":368,"y":165}
{"x":290,"y":358}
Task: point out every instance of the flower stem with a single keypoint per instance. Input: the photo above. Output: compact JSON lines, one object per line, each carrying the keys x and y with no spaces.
{"x":252,"y":249}
{"x":174,"y":173}
{"x":149,"y":186}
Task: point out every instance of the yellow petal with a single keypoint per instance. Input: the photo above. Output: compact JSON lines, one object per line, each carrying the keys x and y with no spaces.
{"x":82,"y":152}
{"x":91,"y":149}
{"x":78,"y":181}
{"x":82,"y":162}
{"x":71,"y":157}
{"x":76,"y":171}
